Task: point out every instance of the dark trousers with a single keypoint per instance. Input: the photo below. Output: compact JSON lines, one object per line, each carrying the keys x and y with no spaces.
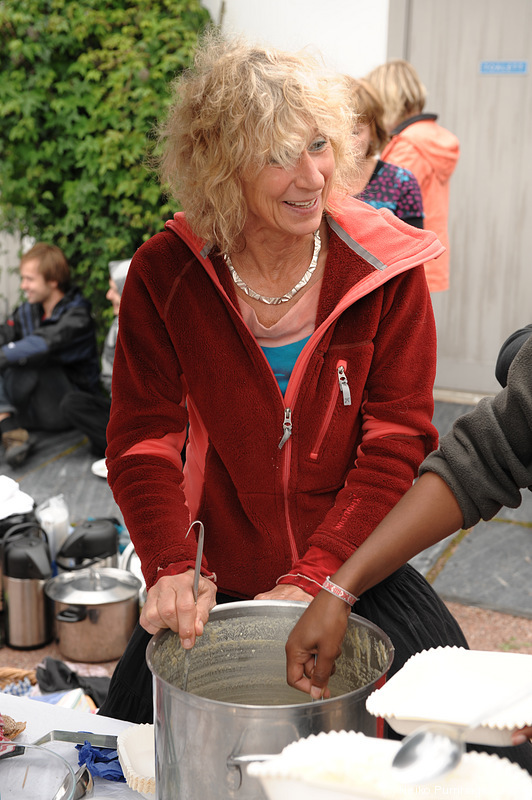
{"x":36,"y":395}
{"x":88,"y":413}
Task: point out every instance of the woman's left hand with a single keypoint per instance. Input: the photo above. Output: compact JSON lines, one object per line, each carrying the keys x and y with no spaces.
{"x":285,"y":592}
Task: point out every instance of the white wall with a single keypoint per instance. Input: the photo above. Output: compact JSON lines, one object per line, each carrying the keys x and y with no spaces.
{"x":9,"y":274}
{"x":350,"y":34}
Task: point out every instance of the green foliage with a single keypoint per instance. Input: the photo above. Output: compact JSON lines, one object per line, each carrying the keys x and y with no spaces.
{"x":82,"y":86}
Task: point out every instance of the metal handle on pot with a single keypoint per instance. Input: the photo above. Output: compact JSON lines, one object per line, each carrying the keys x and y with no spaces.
{"x":238,"y":761}
{"x":72,"y":614}
{"x":235,"y":765}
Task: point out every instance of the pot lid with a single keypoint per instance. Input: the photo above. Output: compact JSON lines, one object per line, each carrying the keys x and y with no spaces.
{"x":93,"y":586}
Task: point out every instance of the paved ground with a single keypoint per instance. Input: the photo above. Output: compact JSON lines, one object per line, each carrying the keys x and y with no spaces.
{"x":61,"y":464}
{"x":489,"y":566}
{"x":483,"y":574}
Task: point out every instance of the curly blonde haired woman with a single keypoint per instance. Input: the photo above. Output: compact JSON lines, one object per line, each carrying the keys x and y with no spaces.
{"x":285,"y":330}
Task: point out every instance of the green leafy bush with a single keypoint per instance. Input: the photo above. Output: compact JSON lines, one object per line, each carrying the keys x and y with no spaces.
{"x":82,"y":86}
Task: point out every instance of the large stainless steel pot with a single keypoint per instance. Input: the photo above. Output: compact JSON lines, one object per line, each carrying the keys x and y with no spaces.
{"x":238,"y":706}
{"x":95,"y":612}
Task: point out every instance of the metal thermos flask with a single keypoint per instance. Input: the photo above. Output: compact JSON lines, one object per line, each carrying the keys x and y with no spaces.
{"x":26,"y":568}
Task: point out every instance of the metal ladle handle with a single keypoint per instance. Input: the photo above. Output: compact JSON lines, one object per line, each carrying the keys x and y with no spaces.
{"x":197,"y":569}
{"x":199,"y":555}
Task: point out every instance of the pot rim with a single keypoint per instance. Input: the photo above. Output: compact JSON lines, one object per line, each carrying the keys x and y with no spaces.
{"x":325,"y":704}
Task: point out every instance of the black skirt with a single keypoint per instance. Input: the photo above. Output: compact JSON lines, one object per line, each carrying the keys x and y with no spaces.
{"x":404,"y":606}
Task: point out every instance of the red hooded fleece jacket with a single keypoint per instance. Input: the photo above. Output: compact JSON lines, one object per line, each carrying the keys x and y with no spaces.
{"x":285,"y":485}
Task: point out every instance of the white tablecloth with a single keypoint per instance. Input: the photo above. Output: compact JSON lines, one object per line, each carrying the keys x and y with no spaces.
{"x":40,"y":718}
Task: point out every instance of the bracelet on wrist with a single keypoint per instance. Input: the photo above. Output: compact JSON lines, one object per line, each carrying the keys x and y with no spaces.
{"x":337,"y":591}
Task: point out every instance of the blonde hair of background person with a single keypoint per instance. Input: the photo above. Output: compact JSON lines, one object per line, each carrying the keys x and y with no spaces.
{"x":381,"y":184}
{"x":367,"y":104}
{"x":419,"y":144}
{"x":209,"y":144}
{"x":402,"y":92}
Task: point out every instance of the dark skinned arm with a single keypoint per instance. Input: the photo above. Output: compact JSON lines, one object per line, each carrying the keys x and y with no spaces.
{"x":427,"y":513}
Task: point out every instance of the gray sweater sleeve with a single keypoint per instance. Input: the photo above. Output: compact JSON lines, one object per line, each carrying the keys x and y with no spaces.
{"x":487,"y":457}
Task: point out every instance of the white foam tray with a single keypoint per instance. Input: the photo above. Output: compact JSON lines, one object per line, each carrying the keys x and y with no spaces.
{"x":454,"y":685}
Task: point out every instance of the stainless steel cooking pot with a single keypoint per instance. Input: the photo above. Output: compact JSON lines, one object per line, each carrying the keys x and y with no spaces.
{"x":239,"y":708}
{"x":95,"y":612}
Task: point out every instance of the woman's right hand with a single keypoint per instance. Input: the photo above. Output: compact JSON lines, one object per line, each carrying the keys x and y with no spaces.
{"x":170,"y":604}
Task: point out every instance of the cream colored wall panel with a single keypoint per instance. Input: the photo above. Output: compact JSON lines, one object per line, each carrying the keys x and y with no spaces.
{"x":491,"y":190}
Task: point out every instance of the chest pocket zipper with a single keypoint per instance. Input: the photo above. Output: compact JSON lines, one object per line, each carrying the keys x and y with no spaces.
{"x":343,"y":387}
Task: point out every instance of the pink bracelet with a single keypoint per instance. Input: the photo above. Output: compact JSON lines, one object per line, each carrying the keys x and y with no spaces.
{"x":337,"y":591}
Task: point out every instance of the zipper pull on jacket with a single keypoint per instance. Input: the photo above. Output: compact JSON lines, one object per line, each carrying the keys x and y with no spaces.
{"x":287,"y":427}
{"x":344,"y":386}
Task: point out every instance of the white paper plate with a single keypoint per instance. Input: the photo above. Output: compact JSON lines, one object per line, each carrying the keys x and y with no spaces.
{"x":455,"y":685}
{"x":136,"y":753}
{"x":351,"y":766}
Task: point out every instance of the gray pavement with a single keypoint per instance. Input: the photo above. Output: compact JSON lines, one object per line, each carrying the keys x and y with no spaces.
{"x":491,"y":567}
{"x":61,"y":464}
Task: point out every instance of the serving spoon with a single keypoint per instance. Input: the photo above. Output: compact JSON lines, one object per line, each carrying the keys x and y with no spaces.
{"x":197,"y":568}
{"x":435,"y":749}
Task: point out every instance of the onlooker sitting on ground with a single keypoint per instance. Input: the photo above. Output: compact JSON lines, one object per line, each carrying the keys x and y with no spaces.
{"x":89,"y":412}
{"x":47,"y":348}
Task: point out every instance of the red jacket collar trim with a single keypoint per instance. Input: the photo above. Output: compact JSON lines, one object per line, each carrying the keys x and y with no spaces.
{"x":377,"y":235}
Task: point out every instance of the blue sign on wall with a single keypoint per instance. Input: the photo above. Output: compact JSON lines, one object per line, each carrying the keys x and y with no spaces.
{"x":504,"y":67}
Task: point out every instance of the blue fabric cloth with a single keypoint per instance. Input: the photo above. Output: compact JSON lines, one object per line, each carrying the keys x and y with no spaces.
{"x":282,"y":360}
{"x":101,"y":761}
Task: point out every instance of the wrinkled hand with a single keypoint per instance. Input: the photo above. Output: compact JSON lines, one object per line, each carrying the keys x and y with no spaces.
{"x":170,"y":604}
{"x":315,"y":643}
{"x":521,"y":736}
{"x":285,"y":592}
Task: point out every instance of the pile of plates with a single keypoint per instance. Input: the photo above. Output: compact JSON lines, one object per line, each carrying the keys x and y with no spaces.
{"x":447,"y":684}
{"x":136,"y":753}
{"x":351,"y":766}
{"x":454,"y":685}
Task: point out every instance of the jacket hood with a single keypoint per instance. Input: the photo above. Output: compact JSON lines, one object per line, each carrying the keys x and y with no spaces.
{"x":75,"y":297}
{"x":381,"y":238}
{"x":439,"y":146}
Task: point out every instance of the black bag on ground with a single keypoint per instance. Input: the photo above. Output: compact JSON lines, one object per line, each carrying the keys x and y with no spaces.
{"x":56,"y":676}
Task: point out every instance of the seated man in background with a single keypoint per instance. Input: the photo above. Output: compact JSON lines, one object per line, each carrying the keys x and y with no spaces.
{"x":47,"y":348}
{"x":89,"y":412}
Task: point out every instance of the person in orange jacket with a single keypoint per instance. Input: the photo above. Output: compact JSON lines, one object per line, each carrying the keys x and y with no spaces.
{"x":419,"y":144}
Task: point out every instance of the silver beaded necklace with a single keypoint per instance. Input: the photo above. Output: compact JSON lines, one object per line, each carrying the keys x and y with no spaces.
{"x":275,"y":301}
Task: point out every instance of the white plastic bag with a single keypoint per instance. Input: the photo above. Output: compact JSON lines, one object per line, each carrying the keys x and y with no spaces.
{"x":53,"y":515}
